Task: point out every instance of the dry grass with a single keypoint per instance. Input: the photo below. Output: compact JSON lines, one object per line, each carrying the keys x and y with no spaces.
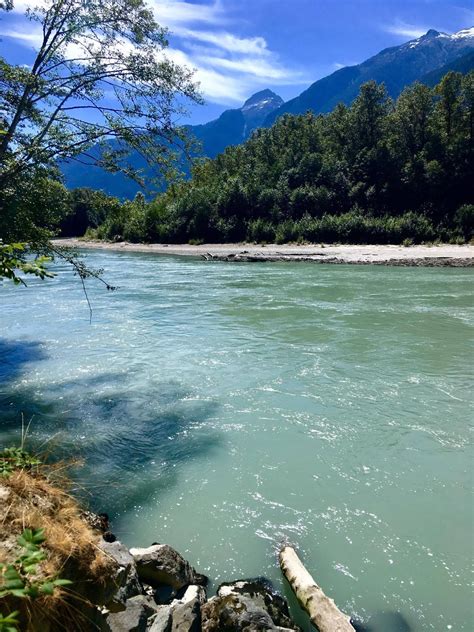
{"x":39,"y":498}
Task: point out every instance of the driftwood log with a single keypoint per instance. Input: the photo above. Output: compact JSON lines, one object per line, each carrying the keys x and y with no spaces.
{"x":322,"y":610}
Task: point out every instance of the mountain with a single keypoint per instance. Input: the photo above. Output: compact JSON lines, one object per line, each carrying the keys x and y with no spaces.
{"x":462,"y":64}
{"x":235,"y":126}
{"x":424,"y":59}
{"x":396,"y":67}
{"x":231,"y":128}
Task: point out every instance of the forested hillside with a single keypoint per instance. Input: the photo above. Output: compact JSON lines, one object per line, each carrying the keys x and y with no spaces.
{"x":426,"y":59}
{"x":374,"y":172}
{"x":231,"y":128}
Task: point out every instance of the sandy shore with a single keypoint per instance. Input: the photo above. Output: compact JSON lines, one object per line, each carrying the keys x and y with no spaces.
{"x":421,"y":255}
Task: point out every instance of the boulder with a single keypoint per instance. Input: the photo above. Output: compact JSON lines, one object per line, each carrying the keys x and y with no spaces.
{"x":161,"y":564}
{"x":161,"y":621}
{"x":123,"y":583}
{"x":135,"y":617}
{"x":182,"y":615}
{"x":247,"y":606}
{"x":186,"y":612}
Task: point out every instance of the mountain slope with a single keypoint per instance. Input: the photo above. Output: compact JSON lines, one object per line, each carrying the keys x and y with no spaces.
{"x":462,"y":64}
{"x":235,"y":126}
{"x":231,"y":128}
{"x":396,"y":67}
{"x":424,"y":59}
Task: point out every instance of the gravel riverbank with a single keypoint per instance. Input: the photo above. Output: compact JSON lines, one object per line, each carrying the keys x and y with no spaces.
{"x":419,"y":255}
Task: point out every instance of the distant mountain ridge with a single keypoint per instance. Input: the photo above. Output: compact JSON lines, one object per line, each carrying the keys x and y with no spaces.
{"x":426,"y":59}
{"x":396,"y":67}
{"x":231,"y":128}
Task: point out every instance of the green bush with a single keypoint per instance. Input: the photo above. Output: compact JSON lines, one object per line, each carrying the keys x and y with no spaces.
{"x":464,"y":220}
{"x":260,"y":230}
{"x":286,"y":231}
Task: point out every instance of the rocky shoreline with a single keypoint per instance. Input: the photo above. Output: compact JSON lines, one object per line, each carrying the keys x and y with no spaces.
{"x":83,"y":579}
{"x":155,"y":589}
{"x":423,"y":262}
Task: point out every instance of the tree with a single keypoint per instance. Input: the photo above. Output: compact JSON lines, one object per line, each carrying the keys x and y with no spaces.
{"x":412,"y":118}
{"x":89,"y":209}
{"x":99,"y":85}
{"x":61,"y":106}
{"x":375,"y":171}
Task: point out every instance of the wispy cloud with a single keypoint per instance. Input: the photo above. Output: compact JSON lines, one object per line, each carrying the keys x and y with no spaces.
{"x":403,"y":29}
{"x":29,"y":36}
{"x":225,"y":41}
{"x":228,"y":65}
{"x":174,"y":12}
{"x":254,"y":67}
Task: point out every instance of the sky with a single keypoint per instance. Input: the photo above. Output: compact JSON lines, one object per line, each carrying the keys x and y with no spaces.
{"x":238,"y":47}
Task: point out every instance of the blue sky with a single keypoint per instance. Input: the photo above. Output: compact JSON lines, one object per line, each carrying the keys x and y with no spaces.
{"x":240,"y":46}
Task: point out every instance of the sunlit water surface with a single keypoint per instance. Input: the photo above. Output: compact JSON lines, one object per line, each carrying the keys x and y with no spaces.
{"x":224,"y":408}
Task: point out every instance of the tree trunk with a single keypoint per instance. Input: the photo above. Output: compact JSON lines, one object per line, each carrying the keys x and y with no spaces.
{"x":322,"y":610}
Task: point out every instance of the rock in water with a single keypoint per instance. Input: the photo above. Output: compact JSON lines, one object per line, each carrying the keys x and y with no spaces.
{"x":247,"y":606}
{"x":384,"y":622}
{"x":161,"y":564}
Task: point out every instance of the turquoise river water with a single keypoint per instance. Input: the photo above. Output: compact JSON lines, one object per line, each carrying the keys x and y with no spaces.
{"x":224,"y":408}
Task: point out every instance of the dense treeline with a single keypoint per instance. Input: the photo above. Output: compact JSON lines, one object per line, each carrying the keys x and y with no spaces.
{"x":376,"y":171}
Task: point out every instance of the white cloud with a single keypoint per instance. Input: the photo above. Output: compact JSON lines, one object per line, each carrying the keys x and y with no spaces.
{"x":225,"y":89}
{"x":255,"y":67}
{"x":225,"y":41}
{"x":20,"y":6}
{"x":30,"y":36}
{"x":229,"y":66}
{"x":174,"y":12}
{"x":405,"y":30}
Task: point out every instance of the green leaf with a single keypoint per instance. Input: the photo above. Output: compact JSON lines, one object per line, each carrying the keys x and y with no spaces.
{"x":32,"y":591}
{"x":14,"y":583}
{"x":62,"y":582}
{"x":38,"y":536}
{"x":19,"y":592}
{"x":47,"y":588}
{"x":11,"y":573}
{"x":25,"y":538}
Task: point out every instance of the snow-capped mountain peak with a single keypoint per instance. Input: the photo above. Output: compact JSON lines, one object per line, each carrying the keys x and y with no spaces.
{"x":264,"y":99}
{"x":464,"y":34}
{"x":461,"y":36}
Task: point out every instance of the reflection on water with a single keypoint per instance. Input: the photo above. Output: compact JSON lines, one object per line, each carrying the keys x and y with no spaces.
{"x":225,"y":408}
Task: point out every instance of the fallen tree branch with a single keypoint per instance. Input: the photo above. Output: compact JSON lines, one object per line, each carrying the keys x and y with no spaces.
{"x":322,"y":610}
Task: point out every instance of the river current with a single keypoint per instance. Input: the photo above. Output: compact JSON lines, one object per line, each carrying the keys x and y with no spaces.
{"x":225,"y":408}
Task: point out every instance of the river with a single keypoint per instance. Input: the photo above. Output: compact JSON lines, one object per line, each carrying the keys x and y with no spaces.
{"x":225,"y":408}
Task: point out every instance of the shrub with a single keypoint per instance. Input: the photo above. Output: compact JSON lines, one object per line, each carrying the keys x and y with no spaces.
{"x":464,"y":220}
{"x":286,"y":231}
{"x":260,"y":230}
